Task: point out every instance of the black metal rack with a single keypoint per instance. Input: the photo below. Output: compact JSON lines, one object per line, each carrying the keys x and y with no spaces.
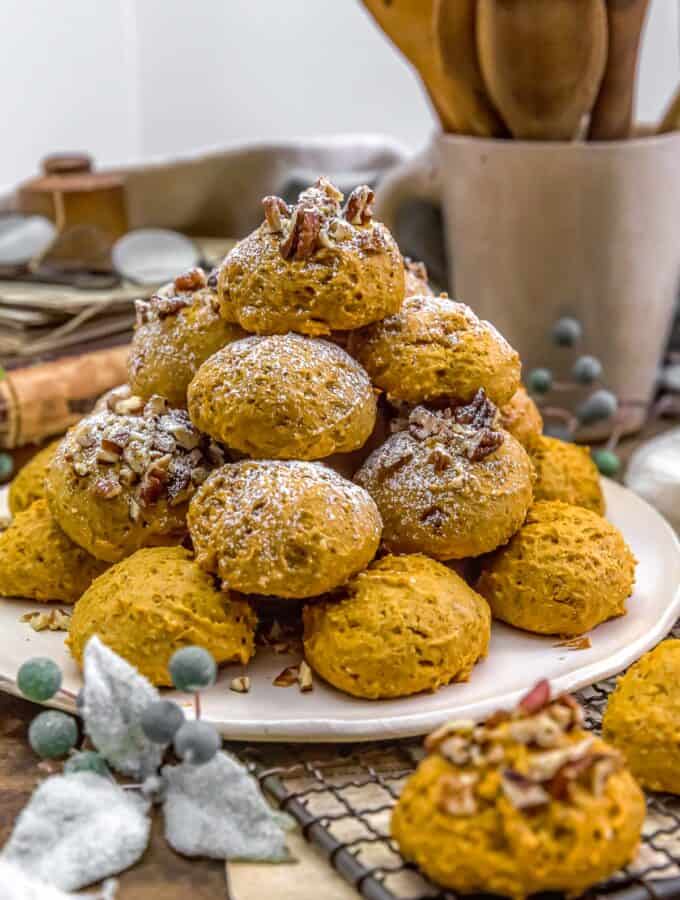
{"x":342,"y":797}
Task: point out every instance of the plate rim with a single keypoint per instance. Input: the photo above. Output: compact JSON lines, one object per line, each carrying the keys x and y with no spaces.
{"x":408,"y":725}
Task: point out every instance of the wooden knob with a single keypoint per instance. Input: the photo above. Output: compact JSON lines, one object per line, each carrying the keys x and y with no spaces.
{"x":67,"y":164}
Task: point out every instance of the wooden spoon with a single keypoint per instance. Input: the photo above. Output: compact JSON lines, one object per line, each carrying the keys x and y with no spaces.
{"x":542,"y":62}
{"x":671,"y":118}
{"x":612,"y":116}
{"x":410,"y":25}
{"x":455,"y":23}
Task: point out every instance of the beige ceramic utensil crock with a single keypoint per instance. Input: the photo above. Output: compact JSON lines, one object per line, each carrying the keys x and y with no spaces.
{"x":455,"y":23}
{"x":542,"y":62}
{"x":539,"y":230}
{"x":612,"y":115}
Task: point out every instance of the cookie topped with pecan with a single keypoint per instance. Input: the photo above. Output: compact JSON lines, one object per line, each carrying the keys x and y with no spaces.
{"x":449,"y":482}
{"x":176,"y":331}
{"x":121,"y":478}
{"x":492,"y":799}
{"x":322,"y":264}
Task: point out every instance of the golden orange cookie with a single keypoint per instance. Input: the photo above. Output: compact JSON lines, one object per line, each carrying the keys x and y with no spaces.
{"x":564,"y":572}
{"x":28,"y":485}
{"x":39,"y":562}
{"x":451,"y":484}
{"x":155,"y":602}
{"x":122,"y":479}
{"x":521,"y":417}
{"x":404,"y":625}
{"x":283,"y":396}
{"x":314,"y":267}
{"x":176,"y":331}
{"x":565,"y":471}
{"x":436,"y":350}
{"x":287,"y":529}
{"x":642,"y":718}
{"x":529,"y":802}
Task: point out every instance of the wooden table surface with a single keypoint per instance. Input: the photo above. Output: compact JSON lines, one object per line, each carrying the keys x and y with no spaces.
{"x":161,"y":873}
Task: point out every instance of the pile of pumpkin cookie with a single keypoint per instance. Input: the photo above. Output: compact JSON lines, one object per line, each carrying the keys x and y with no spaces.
{"x":309,"y":426}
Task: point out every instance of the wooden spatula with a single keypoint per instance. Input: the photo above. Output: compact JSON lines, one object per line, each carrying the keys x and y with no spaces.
{"x":455,"y":23}
{"x":671,"y":118}
{"x":542,"y":62}
{"x":612,"y":116}
{"x":408,"y":23}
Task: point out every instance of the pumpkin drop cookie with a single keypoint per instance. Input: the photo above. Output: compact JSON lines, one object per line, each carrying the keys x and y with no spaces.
{"x":176,"y":331}
{"x":122,"y":479}
{"x":642,"y":716}
{"x":29,"y":483}
{"x":39,"y":562}
{"x":435,"y":350}
{"x":527,"y":803}
{"x":288,"y":529}
{"x":521,"y":417}
{"x":283,"y":397}
{"x":404,"y":625}
{"x":564,"y":572}
{"x":565,"y":471}
{"x":450,"y":484}
{"x":314,"y":267}
{"x":155,"y":602}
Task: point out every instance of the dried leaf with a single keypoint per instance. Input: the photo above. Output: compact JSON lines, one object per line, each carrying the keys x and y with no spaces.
{"x":114,"y":697}
{"x":78,"y":829}
{"x":218,"y":810}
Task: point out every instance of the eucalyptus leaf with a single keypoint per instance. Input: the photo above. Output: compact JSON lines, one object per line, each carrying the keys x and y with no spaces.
{"x":78,"y":829}
{"x":113,"y":699}
{"x":218,"y":810}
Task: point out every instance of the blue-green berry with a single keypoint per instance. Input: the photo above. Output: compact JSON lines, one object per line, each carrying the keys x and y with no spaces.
{"x":53,"y":734}
{"x":161,"y":721}
{"x":192,"y":669}
{"x":559,"y":431}
{"x":601,"y":404}
{"x":607,"y":462}
{"x":86,"y":761}
{"x":587,"y":369}
{"x":540,"y":381}
{"x":197,"y":742}
{"x":39,"y":679}
{"x":567,"y":331}
{"x":6,"y":466}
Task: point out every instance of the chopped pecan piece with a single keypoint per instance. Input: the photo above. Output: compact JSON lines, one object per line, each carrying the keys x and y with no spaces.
{"x":461,"y":727}
{"x":537,"y":698}
{"x":192,"y":280}
{"x":142,"y":312}
{"x":305,"y":679}
{"x":169,"y":306}
{"x":240,"y":684}
{"x":107,"y":488}
{"x":109,"y":452}
{"x":544,"y":766}
{"x":85,"y":438}
{"x":359,"y":207}
{"x":274,"y":210}
{"x":288,"y":677}
{"x":329,"y":189}
{"x":480,"y":412}
{"x":483,"y":444}
{"x":571,"y":771}
{"x":521,"y":791}
{"x":456,"y":750}
{"x":128,"y":406}
{"x":186,"y":436}
{"x":457,"y":794}
{"x":417,"y":269}
{"x":156,"y":405}
{"x":340,"y":230}
{"x":440,"y":459}
{"x":302,"y":238}
{"x":213,"y":278}
{"x":150,"y":489}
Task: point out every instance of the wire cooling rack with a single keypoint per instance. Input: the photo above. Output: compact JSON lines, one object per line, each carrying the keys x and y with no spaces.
{"x":342,"y":796}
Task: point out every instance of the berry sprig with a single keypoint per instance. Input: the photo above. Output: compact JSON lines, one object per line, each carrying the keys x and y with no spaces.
{"x":54,"y":734}
{"x":601,"y":404}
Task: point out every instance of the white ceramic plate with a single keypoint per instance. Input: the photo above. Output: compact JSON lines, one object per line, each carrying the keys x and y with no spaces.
{"x":516,"y":660}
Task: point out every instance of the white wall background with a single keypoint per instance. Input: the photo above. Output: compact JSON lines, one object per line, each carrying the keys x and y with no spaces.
{"x":126,"y":79}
